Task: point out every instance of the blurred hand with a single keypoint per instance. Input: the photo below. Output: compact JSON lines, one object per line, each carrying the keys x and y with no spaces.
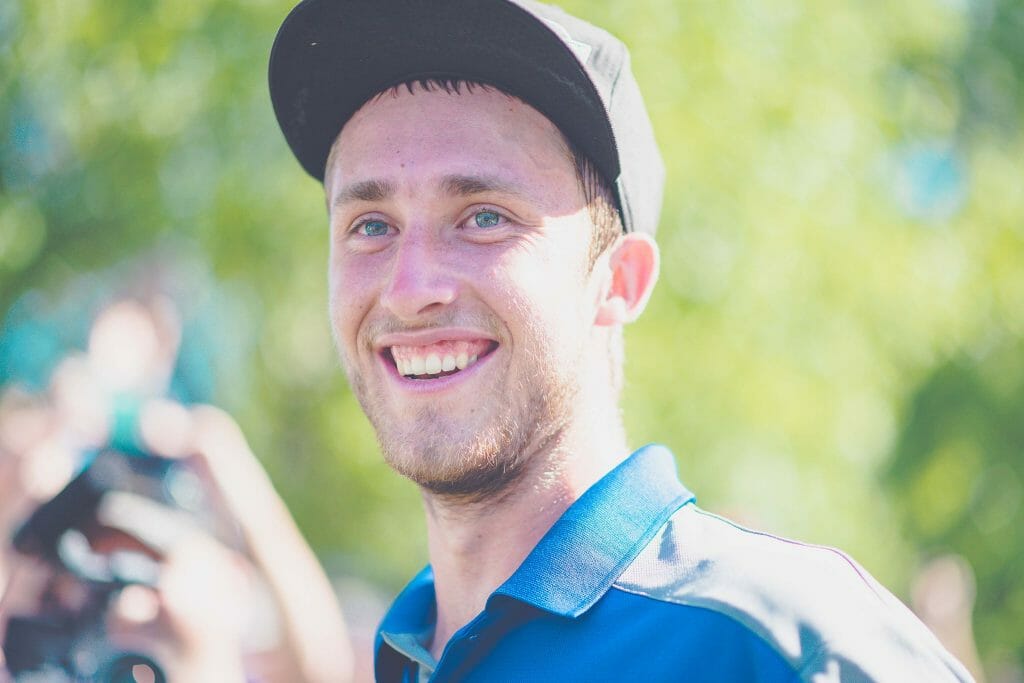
{"x":34,"y":463}
{"x":314,"y":642}
{"x":193,"y":621}
{"x":28,"y":580}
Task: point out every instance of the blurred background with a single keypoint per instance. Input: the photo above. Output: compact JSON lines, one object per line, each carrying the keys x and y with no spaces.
{"x":835,"y":351}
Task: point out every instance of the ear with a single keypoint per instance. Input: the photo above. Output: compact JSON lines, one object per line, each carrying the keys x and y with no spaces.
{"x":633,"y":264}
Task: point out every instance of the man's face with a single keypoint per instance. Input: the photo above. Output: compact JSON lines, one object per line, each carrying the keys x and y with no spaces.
{"x":460,"y":295}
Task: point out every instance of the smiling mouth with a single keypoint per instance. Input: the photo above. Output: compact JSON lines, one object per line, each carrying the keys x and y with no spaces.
{"x":440,"y":359}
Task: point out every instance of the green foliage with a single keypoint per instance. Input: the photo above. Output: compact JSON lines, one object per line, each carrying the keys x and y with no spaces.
{"x":834,"y":348}
{"x":958,"y":476}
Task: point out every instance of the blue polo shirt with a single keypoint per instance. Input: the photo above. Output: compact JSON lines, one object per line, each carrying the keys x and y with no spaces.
{"x":636,"y":583}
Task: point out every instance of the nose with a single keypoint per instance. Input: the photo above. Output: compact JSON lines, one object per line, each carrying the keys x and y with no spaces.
{"x":420,"y":281}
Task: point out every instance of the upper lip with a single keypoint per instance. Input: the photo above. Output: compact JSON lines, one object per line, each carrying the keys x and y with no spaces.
{"x":430,"y":336}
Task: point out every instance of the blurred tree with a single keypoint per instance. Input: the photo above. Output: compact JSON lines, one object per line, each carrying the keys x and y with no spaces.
{"x":958,"y":475}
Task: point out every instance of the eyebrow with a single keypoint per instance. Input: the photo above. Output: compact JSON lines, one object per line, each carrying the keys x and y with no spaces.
{"x":456,"y":185}
{"x":468,"y":185}
{"x":365,"y":191}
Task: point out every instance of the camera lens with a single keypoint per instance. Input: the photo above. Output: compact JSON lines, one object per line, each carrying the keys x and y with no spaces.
{"x":133,"y":668}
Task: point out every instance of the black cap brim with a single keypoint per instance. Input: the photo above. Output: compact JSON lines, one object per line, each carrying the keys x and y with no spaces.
{"x":331,"y":56}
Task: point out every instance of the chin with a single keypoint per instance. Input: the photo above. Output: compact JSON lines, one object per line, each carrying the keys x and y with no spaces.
{"x":460,"y":462}
{"x":469,"y":455}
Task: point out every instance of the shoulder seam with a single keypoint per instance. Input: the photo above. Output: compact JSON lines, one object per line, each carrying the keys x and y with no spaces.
{"x":810,"y":546}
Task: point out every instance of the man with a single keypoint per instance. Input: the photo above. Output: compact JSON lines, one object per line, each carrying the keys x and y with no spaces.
{"x":493,"y":186}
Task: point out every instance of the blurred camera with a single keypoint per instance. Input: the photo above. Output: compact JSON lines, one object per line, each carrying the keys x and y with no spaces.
{"x":91,"y":531}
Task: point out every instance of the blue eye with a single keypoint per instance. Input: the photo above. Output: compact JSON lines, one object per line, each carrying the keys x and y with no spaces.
{"x":373,"y":228}
{"x":487,"y":219}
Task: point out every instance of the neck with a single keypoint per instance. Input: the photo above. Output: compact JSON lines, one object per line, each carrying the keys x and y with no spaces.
{"x":476,"y":546}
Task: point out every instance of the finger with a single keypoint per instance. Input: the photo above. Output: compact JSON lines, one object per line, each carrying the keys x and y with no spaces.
{"x":218,"y":438}
{"x":47,"y":468}
{"x":81,"y":403}
{"x":165,"y":428}
{"x":224,"y":457}
{"x":205,"y":589}
{"x":195,"y":610}
{"x":24,"y":419}
{"x":135,"y":607}
{"x":157,"y":526}
{"x":25,"y":423}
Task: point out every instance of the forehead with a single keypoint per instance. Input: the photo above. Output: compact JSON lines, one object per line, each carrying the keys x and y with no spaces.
{"x":413,"y":132}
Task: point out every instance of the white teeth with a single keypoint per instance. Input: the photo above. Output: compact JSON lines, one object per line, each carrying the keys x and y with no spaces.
{"x":433,"y":364}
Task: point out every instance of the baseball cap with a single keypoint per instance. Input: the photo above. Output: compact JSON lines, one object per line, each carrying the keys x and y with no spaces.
{"x":331,"y":56}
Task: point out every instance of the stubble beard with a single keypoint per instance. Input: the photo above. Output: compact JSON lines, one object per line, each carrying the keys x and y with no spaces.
{"x":433,"y":450}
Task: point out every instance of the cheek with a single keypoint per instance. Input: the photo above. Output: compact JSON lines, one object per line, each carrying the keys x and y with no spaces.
{"x":551,"y":278}
{"x":547,"y":299}
{"x":350,"y":289}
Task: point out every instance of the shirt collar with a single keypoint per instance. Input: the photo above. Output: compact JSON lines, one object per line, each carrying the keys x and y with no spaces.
{"x":415,"y":609}
{"x":586,"y":550}
{"x":406,"y":628}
